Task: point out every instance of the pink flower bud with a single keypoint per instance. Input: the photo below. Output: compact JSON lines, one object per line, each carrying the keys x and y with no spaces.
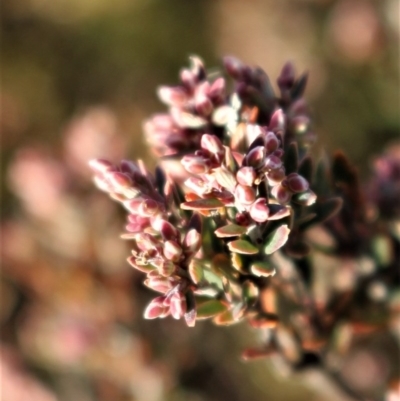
{"x":159,"y":284}
{"x":156,"y":308}
{"x":212,"y":144}
{"x":172,"y":250}
{"x":244,"y":195}
{"x":192,"y":241}
{"x":119,"y":181}
{"x":203,"y":105}
{"x":277,"y":122}
{"x":225,"y":178}
{"x":273,"y":162}
{"x":196,"y":164}
{"x":256,"y":157}
{"x":148,"y":208}
{"x":274,"y":177}
{"x":234,"y":67}
{"x":271,"y":142}
{"x":246,"y":176}
{"x":297,"y":183}
{"x":167,"y":230}
{"x":172,"y":96}
{"x":259,"y":210}
{"x":287,"y":76}
{"x":199,"y":186}
{"x":281,"y":193}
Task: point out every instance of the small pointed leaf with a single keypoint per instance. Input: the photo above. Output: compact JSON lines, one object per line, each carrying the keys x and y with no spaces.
{"x":196,"y":271}
{"x":210,"y":308}
{"x":276,"y":239}
{"x":243,"y":247}
{"x":225,"y":319}
{"x":262,"y":269}
{"x":230,"y":230}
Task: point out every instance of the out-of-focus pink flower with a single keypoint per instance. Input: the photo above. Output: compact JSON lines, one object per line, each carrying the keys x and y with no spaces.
{"x":38,"y":180}
{"x":92,"y":135}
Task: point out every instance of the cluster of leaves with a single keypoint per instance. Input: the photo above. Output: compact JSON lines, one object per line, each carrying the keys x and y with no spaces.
{"x":236,"y":230}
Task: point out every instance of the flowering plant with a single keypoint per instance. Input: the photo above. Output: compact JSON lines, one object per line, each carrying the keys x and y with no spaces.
{"x":239,"y":223}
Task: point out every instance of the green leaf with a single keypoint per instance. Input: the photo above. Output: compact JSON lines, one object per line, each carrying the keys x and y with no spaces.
{"x":196,"y":271}
{"x":262,"y":269}
{"x":210,"y":308}
{"x":202,"y":204}
{"x":243,"y":247}
{"x":231,"y":230}
{"x":276,"y":239}
{"x":250,"y":292}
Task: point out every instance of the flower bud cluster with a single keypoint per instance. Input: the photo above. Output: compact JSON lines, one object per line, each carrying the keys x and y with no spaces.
{"x":191,"y":105}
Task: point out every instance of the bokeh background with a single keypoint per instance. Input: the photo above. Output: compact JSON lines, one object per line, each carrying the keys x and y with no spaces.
{"x":77,"y":79}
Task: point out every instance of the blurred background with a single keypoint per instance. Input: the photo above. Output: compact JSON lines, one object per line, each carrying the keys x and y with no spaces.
{"x":77,"y":79}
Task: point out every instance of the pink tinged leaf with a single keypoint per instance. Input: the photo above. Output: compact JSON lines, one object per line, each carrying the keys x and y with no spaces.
{"x":148,"y":208}
{"x":119,"y":180}
{"x":246,"y":176}
{"x":281,"y":194}
{"x":276,"y":239}
{"x":234,"y":67}
{"x":245,"y":195}
{"x":155,"y":309}
{"x":271,"y":142}
{"x":192,"y":241}
{"x":167,"y":268}
{"x":274,"y":177}
{"x":273,"y":162}
{"x":146,"y":242}
{"x":287,"y":76}
{"x":217,"y":88}
{"x":223,"y":115}
{"x":209,"y":309}
{"x":230,"y":230}
{"x":159,"y":284}
{"x":259,"y":211}
{"x":203,"y":105}
{"x":177,"y":305}
{"x":133,"y":205}
{"x":196,"y":164}
{"x":196,"y":271}
{"x":172,"y":251}
{"x":277,"y":122}
{"x":278,"y":212}
{"x":129,"y":167}
{"x":102,"y":184}
{"x":212,"y":144}
{"x":297,"y":183}
{"x":197,"y":185}
{"x":165,"y":228}
{"x":250,"y":292}
{"x":172,"y":96}
{"x":225,"y":178}
{"x":101,"y":166}
{"x":187,"y":120}
{"x":142,"y":268}
{"x":190,"y":318}
{"x":202,"y":204}
{"x":243,"y":247}
{"x":256,"y":157}
{"x":262,"y":269}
